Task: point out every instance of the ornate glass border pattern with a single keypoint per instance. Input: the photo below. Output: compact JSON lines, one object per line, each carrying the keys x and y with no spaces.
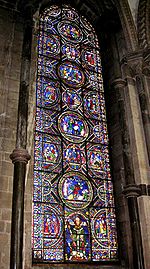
{"x":73,"y":206}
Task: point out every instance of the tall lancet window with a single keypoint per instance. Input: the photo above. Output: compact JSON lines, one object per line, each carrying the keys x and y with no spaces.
{"x":73,"y":205}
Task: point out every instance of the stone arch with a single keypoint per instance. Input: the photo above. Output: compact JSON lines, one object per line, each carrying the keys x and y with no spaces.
{"x":95,"y":9}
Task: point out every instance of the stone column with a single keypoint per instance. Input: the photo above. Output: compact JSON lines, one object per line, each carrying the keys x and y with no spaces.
{"x":20,"y":158}
{"x":20,"y":155}
{"x":139,"y":69}
{"x":119,"y":86}
{"x":144,"y":110}
{"x":144,"y":96}
{"x":131,"y":191}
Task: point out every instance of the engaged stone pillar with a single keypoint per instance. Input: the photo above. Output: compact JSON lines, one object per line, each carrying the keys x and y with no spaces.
{"x":144,"y":110}
{"x":20,"y":156}
{"x":119,"y":86}
{"x":144,"y":100}
{"x":139,"y":69}
{"x":131,"y":190}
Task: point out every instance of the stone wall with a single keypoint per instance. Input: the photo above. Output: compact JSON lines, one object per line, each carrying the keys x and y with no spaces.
{"x":10,"y":53}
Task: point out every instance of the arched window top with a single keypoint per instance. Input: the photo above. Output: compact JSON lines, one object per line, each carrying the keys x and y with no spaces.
{"x":73,"y":205}
{"x":68,"y":13}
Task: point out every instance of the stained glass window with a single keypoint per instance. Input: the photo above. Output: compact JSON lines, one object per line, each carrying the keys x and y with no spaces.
{"x":73,"y":205}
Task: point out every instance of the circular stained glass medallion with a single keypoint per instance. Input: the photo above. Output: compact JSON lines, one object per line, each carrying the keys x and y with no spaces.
{"x":73,"y":127}
{"x":69,"y":31}
{"x":75,"y":190}
{"x":71,"y":99}
{"x":71,"y":74}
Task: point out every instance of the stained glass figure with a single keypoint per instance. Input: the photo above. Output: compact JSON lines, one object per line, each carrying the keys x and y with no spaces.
{"x":92,"y":104}
{"x":71,"y":51}
{"x":47,"y":152}
{"x":89,"y":58}
{"x":77,"y":238}
{"x":98,"y":160}
{"x":74,"y":156}
{"x":73,"y":204}
{"x":72,"y":99}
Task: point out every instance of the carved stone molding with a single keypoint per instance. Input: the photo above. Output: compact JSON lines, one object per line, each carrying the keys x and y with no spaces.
{"x":36,"y":20}
{"x":146,"y":62}
{"x":20,"y":155}
{"x":143,"y":22}
{"x":145,"y":189}
{"x":132,"y":64}
{"x":127,"y":24}
{"x":135,"y":64}
{"x":132,"y":190}
{"x":118,"y":83}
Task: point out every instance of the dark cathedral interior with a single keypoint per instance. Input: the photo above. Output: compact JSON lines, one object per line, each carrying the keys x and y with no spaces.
{"x":75,"y":134}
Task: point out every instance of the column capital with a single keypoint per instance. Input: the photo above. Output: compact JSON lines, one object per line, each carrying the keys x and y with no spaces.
{"x":137,"y":63}
{"x":131,"y":190}
{"x":20,"y":155}
{"x":118,"y":83}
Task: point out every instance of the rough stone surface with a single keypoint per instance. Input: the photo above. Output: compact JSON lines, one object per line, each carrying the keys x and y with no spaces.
{"x":10,"y":52}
